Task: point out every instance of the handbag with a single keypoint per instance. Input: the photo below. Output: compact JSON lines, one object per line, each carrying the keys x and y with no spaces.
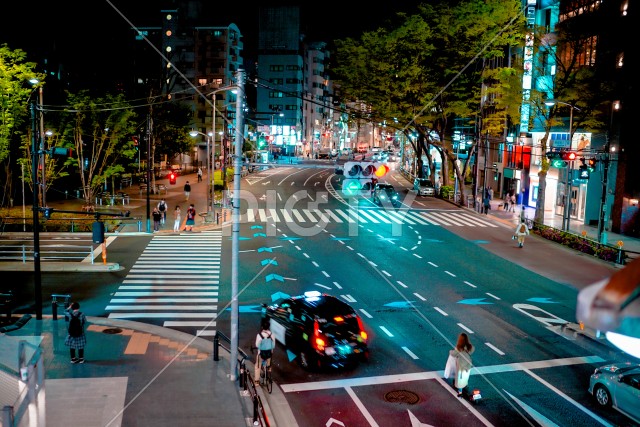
{"x":450,"y":368}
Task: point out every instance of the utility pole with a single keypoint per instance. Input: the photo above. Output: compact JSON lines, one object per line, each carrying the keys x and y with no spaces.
{"x":149,"y":171}
{"x":37,"y":275}
{"x":235,"y":228}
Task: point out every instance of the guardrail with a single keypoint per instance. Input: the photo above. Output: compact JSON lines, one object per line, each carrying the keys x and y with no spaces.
{"x":73,"y":225}
{"x":24,"y":253}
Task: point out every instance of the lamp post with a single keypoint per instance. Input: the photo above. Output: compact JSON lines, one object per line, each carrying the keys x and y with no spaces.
{"x":209,"y":136}
{"x":37,"y":277}
{"x":602,"y":217}
{"x":566,"y":216}
{"x":213,"y":121}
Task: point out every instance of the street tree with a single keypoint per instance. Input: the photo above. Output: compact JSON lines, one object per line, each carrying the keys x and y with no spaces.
{"x":426,"y":72}
{"x":15,"y":93}
{"x":99,"y":131}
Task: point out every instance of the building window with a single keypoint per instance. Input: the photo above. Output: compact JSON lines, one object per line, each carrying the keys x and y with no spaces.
{"x":276,"y":67}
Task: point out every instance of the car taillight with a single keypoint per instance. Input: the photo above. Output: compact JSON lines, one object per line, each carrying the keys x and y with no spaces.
{"x":363,"y":333}
{"x":318,"y":341}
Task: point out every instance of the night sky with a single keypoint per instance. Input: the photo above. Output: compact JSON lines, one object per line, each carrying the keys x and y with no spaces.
{"x":90,"y":33}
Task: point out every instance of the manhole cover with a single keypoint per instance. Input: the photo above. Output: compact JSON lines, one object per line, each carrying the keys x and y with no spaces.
{"x":112,"y":331}
{"x":402,"y":396}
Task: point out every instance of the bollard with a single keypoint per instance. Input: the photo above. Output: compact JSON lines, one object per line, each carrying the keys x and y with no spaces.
{"x":216,"y":344}
{"x":55,"y":302}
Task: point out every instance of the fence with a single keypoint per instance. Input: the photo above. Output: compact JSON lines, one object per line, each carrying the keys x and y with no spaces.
{"x":73,"y":225}
{"x":24,"y":253}
{"x":245,"y":381}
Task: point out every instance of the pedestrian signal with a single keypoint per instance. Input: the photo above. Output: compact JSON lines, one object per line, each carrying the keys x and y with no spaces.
{"x":47,"y":213}
{"x":62,"y":151}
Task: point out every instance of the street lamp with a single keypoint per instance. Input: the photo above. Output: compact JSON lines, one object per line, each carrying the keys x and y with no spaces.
{"x":213,"y":121}
{"x":209,"y":136}
{"x":566,"y":216}
{"x":602,"y":217}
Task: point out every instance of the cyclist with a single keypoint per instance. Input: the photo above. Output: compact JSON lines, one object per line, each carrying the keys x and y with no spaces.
{"x":265,"y":345}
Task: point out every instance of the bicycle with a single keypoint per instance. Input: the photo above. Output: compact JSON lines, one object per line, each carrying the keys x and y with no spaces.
{"x":265,"y":374}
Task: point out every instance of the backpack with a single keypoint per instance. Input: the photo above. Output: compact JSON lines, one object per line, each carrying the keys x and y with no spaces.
{"x":522,"y":229}
{"x":162,"y":206}
{"x":266,"y":346}
{"x":75,"y":326}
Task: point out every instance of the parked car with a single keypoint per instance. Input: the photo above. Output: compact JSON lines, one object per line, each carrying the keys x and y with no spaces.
{"x":320,"y":329}
{"x":618,"y":386}
{"x":424,"y":187}
{"x":384,"y":193}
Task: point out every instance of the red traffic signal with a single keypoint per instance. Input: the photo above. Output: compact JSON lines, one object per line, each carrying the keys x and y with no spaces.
{"x":569,"y":155}
{"x":172,"y":178}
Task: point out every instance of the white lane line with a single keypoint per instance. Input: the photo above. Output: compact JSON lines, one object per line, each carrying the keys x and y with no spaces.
{"x":315,"y":264}
{"x":465,"y":328}
{"x":401,"y":284}
{"x":493,"y":296}
{"x":470,"y":284}
{"x":169,"y":300}
{"x":450,"y":273}
{"x":568,"y":399}
{"x":166,"y":288}
{"x":417,"y":256}
{"x":363,"y":409}
{"x":410,"y":353}
{"x":386,"y":331}
{"x":161,"y":315}
{"x":200,"y":324}
{"x":337,"y":285}
{"x":325,"y":273}
{"x":366,"y":313}
{"x":296,"y":246}
{"x":419,"y":296}
{"x":386,"y":273}
{"x":162,"y":307}
{"x":322,"y":286}
{"x":441,"y":311}
{"x":349,"y":298}
{"x":429,"y":262}
{"x":430,"y":375}
{"x":494,"y":348}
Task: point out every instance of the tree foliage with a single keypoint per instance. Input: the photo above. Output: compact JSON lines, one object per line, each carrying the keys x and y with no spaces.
{"x":426,"y":72}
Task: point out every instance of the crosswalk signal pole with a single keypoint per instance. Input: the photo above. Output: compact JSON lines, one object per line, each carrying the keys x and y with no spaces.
{"x":35,"y":158}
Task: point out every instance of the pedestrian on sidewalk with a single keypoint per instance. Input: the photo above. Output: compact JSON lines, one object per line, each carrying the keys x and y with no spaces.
{"x":507,"y":202}
{"x":191,"y":218}
{"x":486,"y":202}
{"x":521,"y":232}
{"x":157,"y":217}
{"x":187,"y":190}
{"x":162,"y":207}
{"x":76,"y":339}
{"x":513,"y":203}
{"x":199,"y":174}
{"x":176,"y":218}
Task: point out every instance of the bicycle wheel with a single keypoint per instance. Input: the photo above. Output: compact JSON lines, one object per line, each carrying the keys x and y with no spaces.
{"x":269,"y":380}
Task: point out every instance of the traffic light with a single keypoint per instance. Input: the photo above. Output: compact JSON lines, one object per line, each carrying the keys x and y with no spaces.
{"x":569,"y":155}
{"x":591,"y":165}
{"x":583,"y":172}
{"x":560,"y":159}
{"x":47,"y":212}
{"x":381,"y":170}
{"x":361,"y":177}
{"x":136,"y":142}
{"x":172,"y":178}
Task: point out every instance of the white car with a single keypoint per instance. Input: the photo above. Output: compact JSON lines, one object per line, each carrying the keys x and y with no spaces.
{"x":424,"y":187}
{"x":618,"y":386}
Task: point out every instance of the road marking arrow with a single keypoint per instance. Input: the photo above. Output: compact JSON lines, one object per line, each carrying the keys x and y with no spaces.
{"x":415,"y":422}
{"x":334,"y":422}
{"x":256,"y":226}
{"x":542,"y":300}
{"x":279,"y":295}
{"x":248,"y":308}
{"x":340,"y":238}
{"x":474,"y":301}
{"x":259,"y":235}
{"x":271,"y":277}
{"x":268,"y":261}
{"x":263,"y":249}
{"x":400,"y":304}
{"x":290,"y":238}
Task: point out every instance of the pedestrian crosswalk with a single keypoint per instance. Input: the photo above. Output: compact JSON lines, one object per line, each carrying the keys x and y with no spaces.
{"x":365,"y":216}
{"x":176,"y":279}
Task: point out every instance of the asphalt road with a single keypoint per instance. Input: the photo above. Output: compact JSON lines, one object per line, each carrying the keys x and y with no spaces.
{"x":418,"y":279}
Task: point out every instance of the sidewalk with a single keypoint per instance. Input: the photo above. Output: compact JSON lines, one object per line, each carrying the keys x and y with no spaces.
{"x":135,"y":375}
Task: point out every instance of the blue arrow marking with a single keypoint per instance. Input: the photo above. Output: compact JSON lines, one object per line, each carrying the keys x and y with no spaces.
{"x":263,"y":249}
{"x":474,"y":301}
{"x":340,"y":238}
{"x":268,"y":261}
{"x":400,"y":304}
{"x":542,"y":300}
{"x":279,"y":295}
{"x":480,"y":242}
{"x":259,"y":235}
{"x":290,"y":238}
{"x":253,"y":227}
{"x":291,"y":355}
{"x":248,"y":308}
{"x":271,"y":277}
{"x":432,"y":240}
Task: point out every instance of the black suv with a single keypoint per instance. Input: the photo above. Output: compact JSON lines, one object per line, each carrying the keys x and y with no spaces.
{"x":320,"y":329}
{"x":384,"y":194}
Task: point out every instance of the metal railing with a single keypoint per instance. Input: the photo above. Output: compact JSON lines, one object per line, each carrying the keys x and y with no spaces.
{"x":24,"y":253}
{"x":245,"y":380}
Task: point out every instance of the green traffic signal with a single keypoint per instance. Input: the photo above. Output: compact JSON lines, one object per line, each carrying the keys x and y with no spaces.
{"x":558,"y":163}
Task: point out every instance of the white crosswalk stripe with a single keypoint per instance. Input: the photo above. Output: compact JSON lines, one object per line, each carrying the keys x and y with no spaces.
{"x":175,"y":279}
{"x":363,"y":216}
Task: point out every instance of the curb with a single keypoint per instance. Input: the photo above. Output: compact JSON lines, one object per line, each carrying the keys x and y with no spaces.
{"x":54,"y":267}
